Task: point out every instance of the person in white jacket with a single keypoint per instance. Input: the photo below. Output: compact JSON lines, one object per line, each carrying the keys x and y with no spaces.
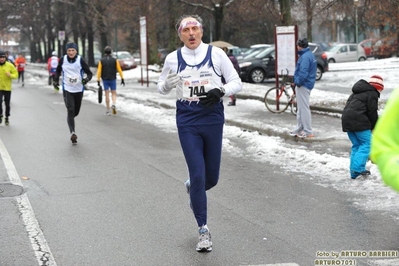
{"x":196,"y":71}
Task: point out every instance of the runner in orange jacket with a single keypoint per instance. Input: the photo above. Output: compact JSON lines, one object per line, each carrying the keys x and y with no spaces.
{"x":20,"y":64}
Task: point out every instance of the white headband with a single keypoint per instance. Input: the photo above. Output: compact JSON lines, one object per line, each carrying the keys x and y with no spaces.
{"x":188,"y":23}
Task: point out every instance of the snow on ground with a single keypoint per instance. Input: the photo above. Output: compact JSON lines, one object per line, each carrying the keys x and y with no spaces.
{"x":296,"y":159}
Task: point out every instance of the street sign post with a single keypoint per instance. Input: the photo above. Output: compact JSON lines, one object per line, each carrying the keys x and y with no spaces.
{"x":61,"y":36}
{"x":143,"y":47}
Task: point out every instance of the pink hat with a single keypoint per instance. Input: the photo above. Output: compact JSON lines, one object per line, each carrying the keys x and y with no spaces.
{"x":377,"y":82}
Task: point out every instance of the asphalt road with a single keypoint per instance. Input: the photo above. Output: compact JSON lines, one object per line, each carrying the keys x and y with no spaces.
{"x":118,"y":198}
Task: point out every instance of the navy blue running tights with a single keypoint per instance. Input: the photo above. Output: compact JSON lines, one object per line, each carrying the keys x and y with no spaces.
{"x":202,"y":148}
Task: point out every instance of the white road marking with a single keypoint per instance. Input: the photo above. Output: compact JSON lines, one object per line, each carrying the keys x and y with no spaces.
{"x":36,"y":237}
{"x":278,"y":264}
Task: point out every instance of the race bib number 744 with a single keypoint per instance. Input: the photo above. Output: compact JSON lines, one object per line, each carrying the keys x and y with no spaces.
{"x":194,"y":85}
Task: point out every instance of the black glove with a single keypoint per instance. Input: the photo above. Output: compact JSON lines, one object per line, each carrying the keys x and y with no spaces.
{"x":85,"y":80}
{"x":123,"y":82}
{"x":98,"y":83}
{"x":56,"y":85}
{"x":213,"y":96}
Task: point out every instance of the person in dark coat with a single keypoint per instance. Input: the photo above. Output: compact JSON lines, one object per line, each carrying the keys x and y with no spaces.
{"x":358,"y":120}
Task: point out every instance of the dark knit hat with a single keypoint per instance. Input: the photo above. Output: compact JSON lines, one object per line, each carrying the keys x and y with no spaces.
{"x":71,"y":45}
{"x":2,"y":53}
{"x":303,"y":43}
{"x":377,"y":82}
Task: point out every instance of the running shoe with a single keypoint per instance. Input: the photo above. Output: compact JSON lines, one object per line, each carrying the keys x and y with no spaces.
{"x":305,"y":136}
{"x":7,"y":122}
{"x":293,"y":133}
{"x":204,"y":240}
{"x":107,"y":113}
{"x":365,"y":172}
{"x":354,"y":175}
{"x":74,"y":138}
{"x":113,"y":109}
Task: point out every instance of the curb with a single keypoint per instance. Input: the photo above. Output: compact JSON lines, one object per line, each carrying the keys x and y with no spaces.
{"x":251,"y":97}
{"x":312,"y":107}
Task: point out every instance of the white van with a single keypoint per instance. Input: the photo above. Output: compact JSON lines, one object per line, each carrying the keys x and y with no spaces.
{"x":345,"y":52}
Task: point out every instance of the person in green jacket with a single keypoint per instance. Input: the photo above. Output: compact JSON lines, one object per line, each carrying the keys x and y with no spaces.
{"x":7,"y":73}
{"x":385,"y":142}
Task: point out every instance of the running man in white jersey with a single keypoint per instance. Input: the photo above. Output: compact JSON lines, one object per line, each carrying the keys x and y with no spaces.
{"x":196,"y":71}
{"x":72,"y":66}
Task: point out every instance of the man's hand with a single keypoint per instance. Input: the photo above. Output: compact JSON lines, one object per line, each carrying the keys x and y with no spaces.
{"x":171,"y":81}
{"x":123,"y":82}
{"x":84,"y":81}
{"x":293,"y":86}
{"x":56,"y":85}
{"x":212,"y":96}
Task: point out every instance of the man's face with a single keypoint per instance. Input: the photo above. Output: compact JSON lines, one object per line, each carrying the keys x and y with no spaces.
{"x":2,"y":59}
{"x":191,"y":33}
{"x":71,"y":52}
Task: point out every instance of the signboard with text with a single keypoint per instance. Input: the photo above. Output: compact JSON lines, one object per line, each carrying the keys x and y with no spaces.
{"x":286,"y":52}
{"x":61,"y":35}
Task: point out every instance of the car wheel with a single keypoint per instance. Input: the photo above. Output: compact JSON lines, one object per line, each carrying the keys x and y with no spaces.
{"x":319,"y":73}
{"x":331,"y":60}
{"x":257,"y":75}
{"x":362,"y":59}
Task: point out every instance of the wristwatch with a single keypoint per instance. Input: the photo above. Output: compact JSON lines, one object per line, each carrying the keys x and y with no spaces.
{"x":222,"y":90}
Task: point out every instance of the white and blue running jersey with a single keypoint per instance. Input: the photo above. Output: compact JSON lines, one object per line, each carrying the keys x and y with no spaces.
{"x":200,"y":70}
{"x":72,"y":75}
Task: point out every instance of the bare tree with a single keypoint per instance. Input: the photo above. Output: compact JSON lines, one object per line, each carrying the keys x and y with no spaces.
{"x":320,"y":9}
{"x":217,"y":10}
{"x":241,"y":22}
{"x":285,"y":10}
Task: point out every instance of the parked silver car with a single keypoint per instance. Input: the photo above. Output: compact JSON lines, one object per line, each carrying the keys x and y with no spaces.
{"x":345,"y":52}
{"x":253,"y":50}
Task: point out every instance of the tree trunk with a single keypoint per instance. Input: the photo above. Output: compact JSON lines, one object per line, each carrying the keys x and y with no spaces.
{"x":218,"y":15}
{"x":49,"y":29}
{"x":102,"y":28}
{"x":152,"y":34}
{"x":309,"y":19}
{"x":285,"y":11}
{"x":174,"y":39}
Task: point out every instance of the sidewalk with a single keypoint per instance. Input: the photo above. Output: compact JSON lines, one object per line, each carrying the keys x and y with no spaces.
{"x":250,"y":113}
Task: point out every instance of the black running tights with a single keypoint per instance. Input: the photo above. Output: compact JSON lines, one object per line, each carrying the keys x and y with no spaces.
{"x":73,"y":101}
{"x":7,"y":98}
